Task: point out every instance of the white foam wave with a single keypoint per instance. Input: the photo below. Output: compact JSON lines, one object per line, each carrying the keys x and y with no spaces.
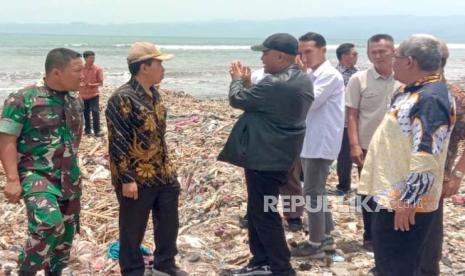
{"x":453,"y":46}
{"x":75,"y":44}
{"x":205,"y":47}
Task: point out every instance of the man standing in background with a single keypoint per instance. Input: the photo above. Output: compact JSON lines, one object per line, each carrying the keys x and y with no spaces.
{"x":92,"y":79}
{"x":347,"y":57}
{"x":368,"y":96}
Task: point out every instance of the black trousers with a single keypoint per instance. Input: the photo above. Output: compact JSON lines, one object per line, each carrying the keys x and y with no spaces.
{"x":344,"y":164}
{"x":432,"y":253}
{"x":367,"y":216}
{"x":92,"y":106}
{"x":266,"y":234}
{"x":133,"y":218}
{"x":399,"y":253}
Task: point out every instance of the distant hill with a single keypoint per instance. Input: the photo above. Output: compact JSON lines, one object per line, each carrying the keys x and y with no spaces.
{"x":450,"y":28}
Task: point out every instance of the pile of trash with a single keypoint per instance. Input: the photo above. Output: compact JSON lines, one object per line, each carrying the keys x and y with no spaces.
{"x":213,"y":198}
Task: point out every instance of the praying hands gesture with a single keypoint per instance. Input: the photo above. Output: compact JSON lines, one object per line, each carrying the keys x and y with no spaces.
{"x":239,"y":71}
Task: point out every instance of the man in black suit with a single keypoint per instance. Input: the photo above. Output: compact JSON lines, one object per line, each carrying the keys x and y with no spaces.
{"x":265,"y":141}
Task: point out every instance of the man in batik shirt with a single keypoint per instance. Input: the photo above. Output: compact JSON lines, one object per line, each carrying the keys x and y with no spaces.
{"x":453,"y":175}
{"x":143,"y":176}
{"x":404,"y":167}
{"x":347,"y":56}
{"x":40,"y":130}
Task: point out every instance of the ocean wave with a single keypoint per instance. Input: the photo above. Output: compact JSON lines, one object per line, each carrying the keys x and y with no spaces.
{"x":205,"y":47}
{"x":15,"y":76}
{"x":122,"y":45}
{"x":456,"y":46}
{"x":75,"y":44}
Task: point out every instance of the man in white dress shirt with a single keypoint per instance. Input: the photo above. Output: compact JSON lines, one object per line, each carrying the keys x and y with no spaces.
{"x":323,"y":137}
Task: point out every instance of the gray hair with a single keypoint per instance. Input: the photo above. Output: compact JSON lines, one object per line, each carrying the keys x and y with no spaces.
{"x":425,"y":49}
{"x":444,"y":53}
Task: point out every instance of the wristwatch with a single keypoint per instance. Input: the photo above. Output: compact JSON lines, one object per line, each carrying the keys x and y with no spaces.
{"x":458,"y":174}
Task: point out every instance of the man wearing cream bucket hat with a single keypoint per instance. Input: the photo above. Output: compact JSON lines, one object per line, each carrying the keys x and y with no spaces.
{"x":144,"y":178}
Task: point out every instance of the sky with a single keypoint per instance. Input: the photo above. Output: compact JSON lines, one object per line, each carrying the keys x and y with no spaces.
{"x":154,"y":11}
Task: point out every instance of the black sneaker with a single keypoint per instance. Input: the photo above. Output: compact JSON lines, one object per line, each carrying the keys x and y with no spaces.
{"x":294,"y":224}
{"x":243,"y":222}
{"x":304,"y":249}
{"x":252,"y":270}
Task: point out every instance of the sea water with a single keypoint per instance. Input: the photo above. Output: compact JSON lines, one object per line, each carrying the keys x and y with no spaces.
{"x":200,"y":66}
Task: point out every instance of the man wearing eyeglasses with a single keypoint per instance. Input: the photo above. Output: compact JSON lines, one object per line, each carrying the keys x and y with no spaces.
{"x":404,"y":166}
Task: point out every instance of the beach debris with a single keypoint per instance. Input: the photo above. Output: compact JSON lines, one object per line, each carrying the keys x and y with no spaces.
{"x":114,"y":247}
{"x":460,"y":199}
{"x":100,"y":173}
{"x":213,"y":197}
{"x":193,"y":257}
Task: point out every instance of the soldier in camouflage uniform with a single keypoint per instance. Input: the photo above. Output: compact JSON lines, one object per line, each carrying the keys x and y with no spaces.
{"x":40,"y":131}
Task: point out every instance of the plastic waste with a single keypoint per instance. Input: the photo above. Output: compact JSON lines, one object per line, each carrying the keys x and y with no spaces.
{"x":100,"y":173}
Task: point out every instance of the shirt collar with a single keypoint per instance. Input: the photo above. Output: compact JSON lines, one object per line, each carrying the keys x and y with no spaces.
{"x":344,"y":68}
{"x":49,"y":91}
{"x":320,"y":68}
{"x":137,"y":87}
{"x":377,"y":75}
{"x":422,"y":81}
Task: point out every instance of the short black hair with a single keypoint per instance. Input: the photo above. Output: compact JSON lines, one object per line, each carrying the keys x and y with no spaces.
{"x":311,"y":36}
{"x":59,"y":58}
{"x":343,"y":49}
{"x":88,"y":54}
{"x":378,"y":37}
{"x":134,"y":68}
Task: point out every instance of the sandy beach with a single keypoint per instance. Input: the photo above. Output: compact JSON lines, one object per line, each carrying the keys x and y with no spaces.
{"x":213,"y":196}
